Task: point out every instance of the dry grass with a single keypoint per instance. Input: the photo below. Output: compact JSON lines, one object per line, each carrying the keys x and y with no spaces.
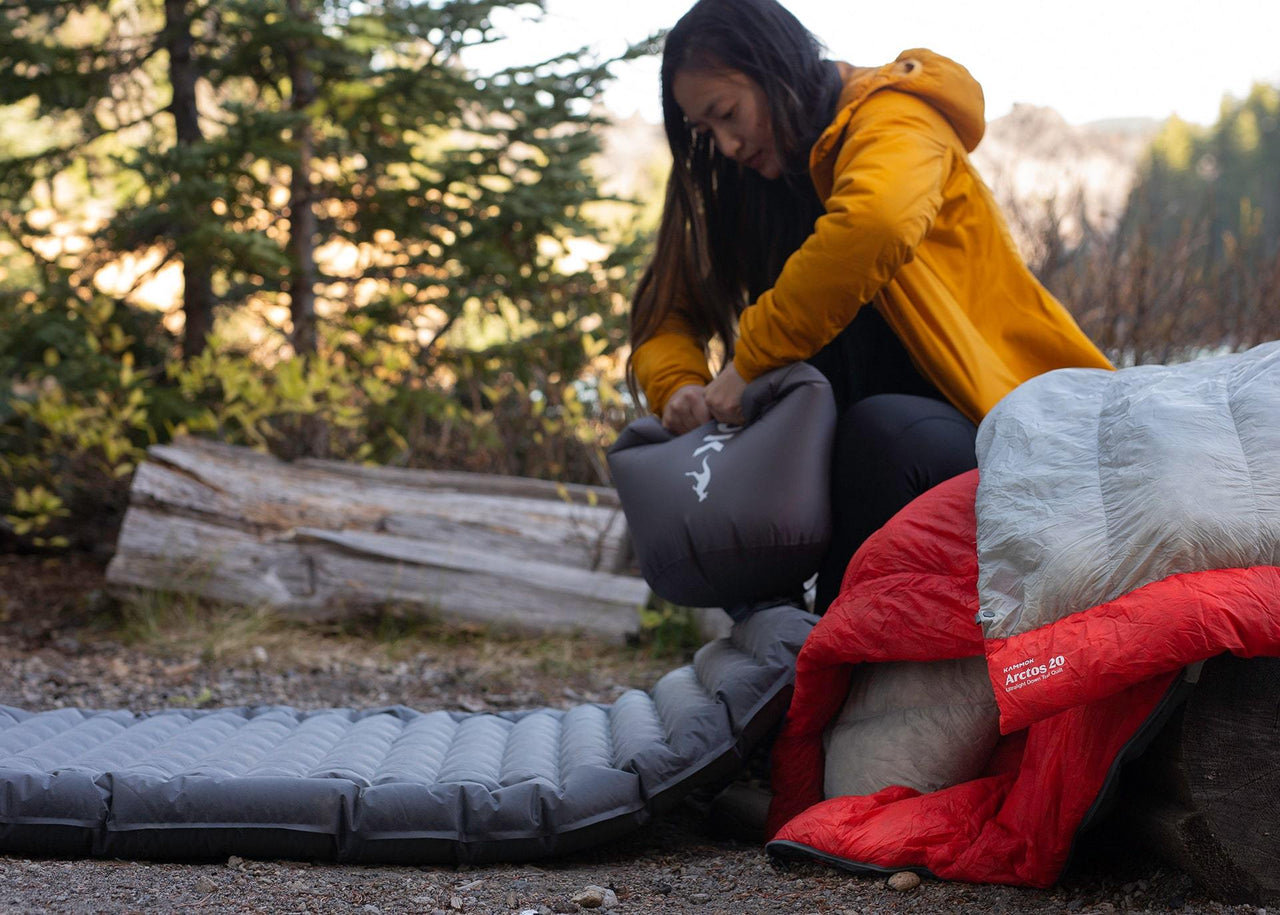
{"x":175,"y":624}
{"x":182,"y":629}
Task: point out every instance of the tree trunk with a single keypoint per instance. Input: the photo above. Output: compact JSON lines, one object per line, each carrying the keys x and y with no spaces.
{"x":302,"y":218}
{"x":197,"y":301}
{"x":1206,"y":795}
{"x":301,"y":282}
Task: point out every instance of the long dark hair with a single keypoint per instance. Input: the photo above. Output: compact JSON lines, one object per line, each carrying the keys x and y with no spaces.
{"x":726,"y":230}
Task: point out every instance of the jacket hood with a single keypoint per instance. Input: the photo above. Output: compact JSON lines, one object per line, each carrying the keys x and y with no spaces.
{"x":941,"y":82}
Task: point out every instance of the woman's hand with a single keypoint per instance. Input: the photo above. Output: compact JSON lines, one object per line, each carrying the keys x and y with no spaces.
{"x":687,"y":409}
{"x":724,"y":396}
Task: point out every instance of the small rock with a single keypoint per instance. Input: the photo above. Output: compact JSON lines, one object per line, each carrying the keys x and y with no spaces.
{"x":182,"y":672}
{"x":700,"y":898}
{"x":511,"y":900}
{"x":456,"y":903}
{"x":205,"y":886}
{"x":663,"y":888}
{"x":564,"y":907}
{"x":68,"y":645}
{"x":371,"y":910}
{"x":588,"y":898}
{"x":259,"y":654}
{"x":904,"y":881}
{"x":235,"y":861}
{"x":591,"y":897}
{"x":595,"y":897}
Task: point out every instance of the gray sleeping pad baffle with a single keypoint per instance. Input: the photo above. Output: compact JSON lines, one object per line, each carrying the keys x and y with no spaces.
{"x":390,"y":785}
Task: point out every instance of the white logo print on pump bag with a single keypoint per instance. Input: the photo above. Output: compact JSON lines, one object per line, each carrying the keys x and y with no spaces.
{"x":713,"y":441}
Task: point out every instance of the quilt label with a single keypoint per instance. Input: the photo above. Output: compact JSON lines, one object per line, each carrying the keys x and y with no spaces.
{"x":1032,"y":670}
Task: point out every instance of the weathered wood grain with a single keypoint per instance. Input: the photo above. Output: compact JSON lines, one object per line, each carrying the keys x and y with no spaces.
{"x":320,"y":539}
{"x":261,"y":493}
{"x":1206,"y":794}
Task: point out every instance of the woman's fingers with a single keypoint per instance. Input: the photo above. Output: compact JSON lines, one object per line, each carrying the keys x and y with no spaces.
{"x":694,"y":404}
{"x":687,"y":409}
{"x":724,"y":396}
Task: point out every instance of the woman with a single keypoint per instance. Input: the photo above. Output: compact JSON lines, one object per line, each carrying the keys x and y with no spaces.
{"x":823,"y":212}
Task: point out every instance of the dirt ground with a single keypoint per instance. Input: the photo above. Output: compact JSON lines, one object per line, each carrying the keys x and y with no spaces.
{"x":64,"y":642}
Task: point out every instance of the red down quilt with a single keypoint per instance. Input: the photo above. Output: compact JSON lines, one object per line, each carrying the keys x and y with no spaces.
{"x":1121,"y":525}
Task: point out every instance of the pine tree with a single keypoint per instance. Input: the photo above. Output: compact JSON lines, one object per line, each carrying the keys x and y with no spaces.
{"x":335,"y":156}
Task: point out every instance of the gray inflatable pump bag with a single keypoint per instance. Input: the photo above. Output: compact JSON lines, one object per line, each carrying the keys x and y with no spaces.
{"x":726,"y":515}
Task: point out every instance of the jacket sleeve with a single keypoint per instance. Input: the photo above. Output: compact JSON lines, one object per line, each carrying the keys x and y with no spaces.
{"x":888,"y":187}
{"x":669,"y":360}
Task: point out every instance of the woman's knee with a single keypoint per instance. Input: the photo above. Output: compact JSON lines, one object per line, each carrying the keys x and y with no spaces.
{"x":902,"y":436}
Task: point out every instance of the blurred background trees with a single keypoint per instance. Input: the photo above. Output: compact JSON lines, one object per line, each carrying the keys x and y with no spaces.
{"x":1192,"y":266}
{"x":308,"y":226}
{"x":303,"y":225}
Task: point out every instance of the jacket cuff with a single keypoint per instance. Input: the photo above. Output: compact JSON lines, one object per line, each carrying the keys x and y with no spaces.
{"x":658,"y":399}
{"x":667,"y":363}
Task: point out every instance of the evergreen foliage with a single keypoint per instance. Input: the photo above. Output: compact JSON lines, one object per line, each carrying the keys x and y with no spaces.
{"x":448,"y":189}
{"x":1193,"y":267}
{"x":380,"y":248}
{"x":1226,"y":177}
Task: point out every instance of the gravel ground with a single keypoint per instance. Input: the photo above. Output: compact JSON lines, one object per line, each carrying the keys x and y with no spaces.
{"x":61,"y":644}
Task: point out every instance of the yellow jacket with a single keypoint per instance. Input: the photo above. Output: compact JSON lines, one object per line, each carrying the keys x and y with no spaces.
{"x":910,"y":227}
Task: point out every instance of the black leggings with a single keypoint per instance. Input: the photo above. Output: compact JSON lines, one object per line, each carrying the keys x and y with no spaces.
{"x":896,"y":436}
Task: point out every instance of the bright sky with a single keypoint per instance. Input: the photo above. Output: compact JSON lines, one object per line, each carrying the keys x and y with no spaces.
{"x":1089,"y":59}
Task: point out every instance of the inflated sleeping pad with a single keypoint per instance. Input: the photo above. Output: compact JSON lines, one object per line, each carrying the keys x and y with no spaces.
{"x":390,"y":785}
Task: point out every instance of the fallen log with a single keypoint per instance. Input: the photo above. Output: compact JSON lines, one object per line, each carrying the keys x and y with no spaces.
{"x":1205,"y":796}
{"x":321,"y":539}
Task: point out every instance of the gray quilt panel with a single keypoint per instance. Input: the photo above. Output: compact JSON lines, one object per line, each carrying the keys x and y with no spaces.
{"x":392,"y":784}
{"x":1096,"y":483}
